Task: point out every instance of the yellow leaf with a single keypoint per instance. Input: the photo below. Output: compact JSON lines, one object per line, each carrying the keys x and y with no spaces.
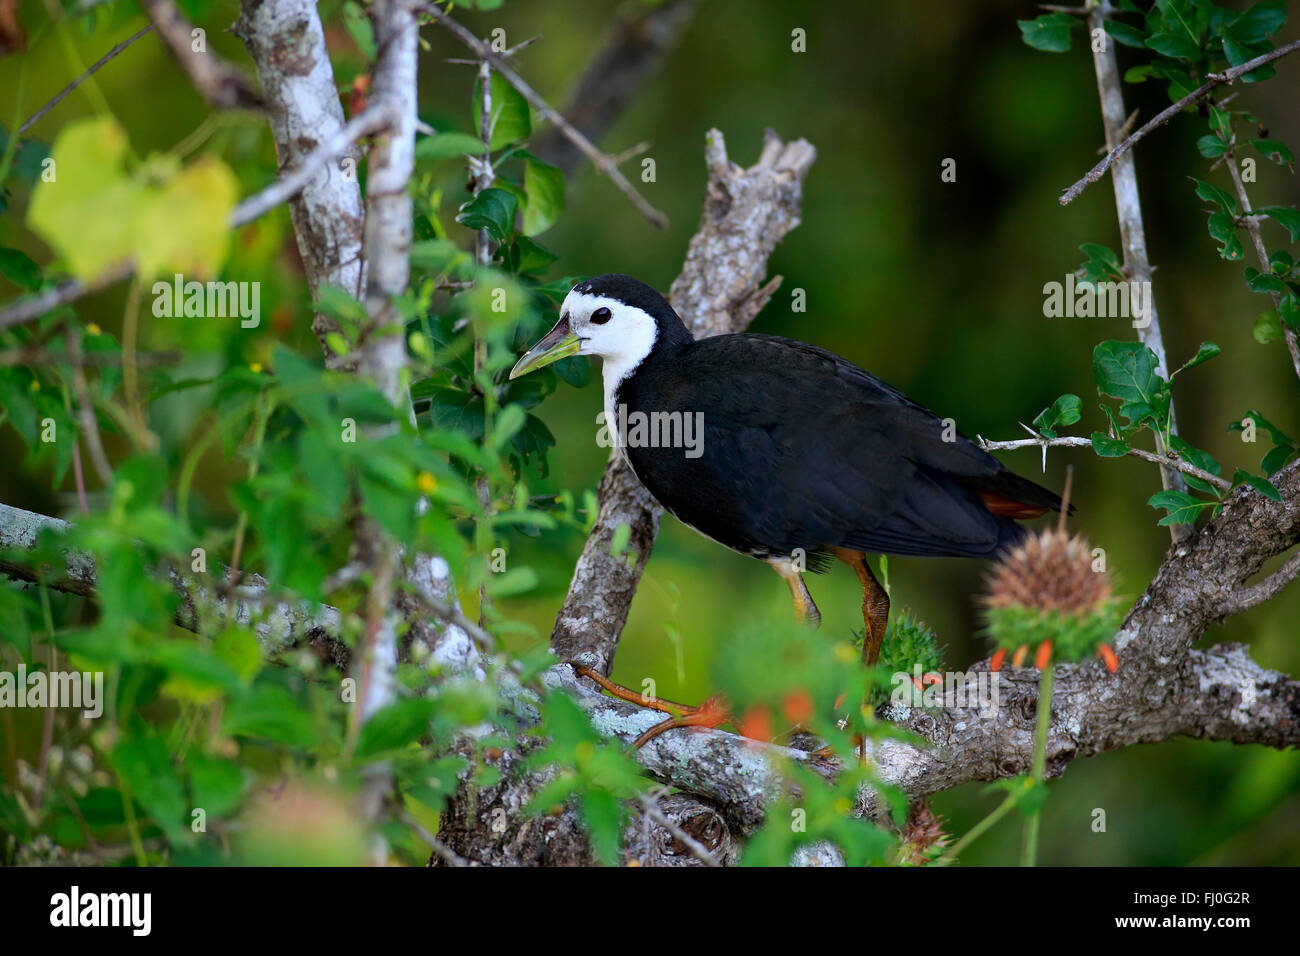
{"x":183,"y":227}
{"x":85,"y":213}
{"x":163,"y":221}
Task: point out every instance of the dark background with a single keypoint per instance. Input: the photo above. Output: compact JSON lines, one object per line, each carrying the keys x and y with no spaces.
{"x":935,"y":287}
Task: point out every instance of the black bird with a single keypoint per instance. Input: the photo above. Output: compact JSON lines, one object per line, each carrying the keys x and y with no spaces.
{"x":803,"y":456}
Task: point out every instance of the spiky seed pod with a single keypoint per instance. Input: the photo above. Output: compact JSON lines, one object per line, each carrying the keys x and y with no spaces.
{"x":1051,"y":571}
{"x":1045,"y":593}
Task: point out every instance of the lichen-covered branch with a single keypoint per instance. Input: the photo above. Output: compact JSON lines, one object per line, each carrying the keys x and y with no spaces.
{"x":287,"y":44}
{"x":1128,"y":207}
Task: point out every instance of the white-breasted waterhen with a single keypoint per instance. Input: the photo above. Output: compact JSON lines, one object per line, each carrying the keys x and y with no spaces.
{"x":804,"y":456}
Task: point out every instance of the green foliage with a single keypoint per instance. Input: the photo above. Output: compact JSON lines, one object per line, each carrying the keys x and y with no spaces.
{"x":589,"y":768}
{"x":1074,"y":637}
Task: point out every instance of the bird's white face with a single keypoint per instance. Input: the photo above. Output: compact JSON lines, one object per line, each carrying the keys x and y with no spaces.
{"x":620,"y":335}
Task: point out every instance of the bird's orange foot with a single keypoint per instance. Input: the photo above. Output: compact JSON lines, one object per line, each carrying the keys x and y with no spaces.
{"x":712,"y":713}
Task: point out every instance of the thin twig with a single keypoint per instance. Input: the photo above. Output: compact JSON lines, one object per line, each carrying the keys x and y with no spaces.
{"x":454,"y":616}
{"x":86,"y":416}
{"x":1251,"y":222}
{"x":698,"y":849}
{"x":219,"y":83}
{"x":1132,"y":228}
{"x":371,"y":120}
{"x":62,"y":94}
{"x":1265,"y":590}
{"x":602,"y":162}
{"x":1074,"y":441}
{"x":24,"y":310}
{"x":1213,"y":82}
{"x":28,"y":355}
{"x":438,"y":847}
{"x":483,"y":255}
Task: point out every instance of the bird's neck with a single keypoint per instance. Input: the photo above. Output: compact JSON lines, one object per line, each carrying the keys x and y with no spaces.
{"x":618,"y":370}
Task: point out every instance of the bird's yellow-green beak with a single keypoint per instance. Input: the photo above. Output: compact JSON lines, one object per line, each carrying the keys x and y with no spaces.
{"x":556,"y":344}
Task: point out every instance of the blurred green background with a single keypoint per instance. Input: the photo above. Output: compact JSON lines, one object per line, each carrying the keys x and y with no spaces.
{"x":935,"y":287}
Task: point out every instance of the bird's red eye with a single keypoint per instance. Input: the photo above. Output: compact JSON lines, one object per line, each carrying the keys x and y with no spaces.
{"x":601,"y":316}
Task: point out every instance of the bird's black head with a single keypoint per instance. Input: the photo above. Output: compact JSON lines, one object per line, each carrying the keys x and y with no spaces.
{"x":615,"y":317}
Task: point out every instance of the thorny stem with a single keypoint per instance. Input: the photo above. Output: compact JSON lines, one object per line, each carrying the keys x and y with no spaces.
{"x":483,"y":255}
{"x":1252,"y":227}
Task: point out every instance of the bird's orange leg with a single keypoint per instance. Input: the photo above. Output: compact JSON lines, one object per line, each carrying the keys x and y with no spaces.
{"x":711,"y":713}
{"x":804,"y":608}
{"x":875,"y":604}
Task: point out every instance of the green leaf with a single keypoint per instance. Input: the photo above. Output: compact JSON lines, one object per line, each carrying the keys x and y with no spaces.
{"x":1126,"y":34}
{"x":1201,"y":459}
{"x":1258,"y":281}
{"x":1102,"y":263}
{"x":1274,"y":461}
{"x":532,"y":256}
{"x":1267,"y":327}
{"x":447,"y":145}
{"x":1207,"y":351}
{"x":1286,"y":217}
{"x":358,"y":26}
{"x":1259,"y":22}
{"x":1262,"y":485}
{"x":141,"y":762}
{"x":1050,"y":32}
{"x":1174,"y":44}
{"x":270,"y":712}
{"x":434,"y":256}
{"x":1126,"y":370}
{"x":1062,"y":412}
{"x":1182,"y":507}
{"x":1211,"y":146}
{"x":603,"y":815}
{"x":1237,"y":53}
{"x":395,"y":726}
{"x":508,"y":119}
{"x":18,"y":268}
{"x":492,"y":209}
{"x":240,"y":650}
{"x":544,"y":185}
{"x":84,"y":213}
{"x":216,"y":785}
{"x":1279,"y":437}
{"x":1107,"y":447}
{"x":1223,"y":229}
{"x":1212,"y":193}
{"x":1274,"y":151}
{"x":512,"y":583}
{"x":164,"y":220}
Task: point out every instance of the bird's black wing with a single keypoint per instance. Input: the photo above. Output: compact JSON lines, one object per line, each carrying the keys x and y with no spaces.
{"x":803,"y":449}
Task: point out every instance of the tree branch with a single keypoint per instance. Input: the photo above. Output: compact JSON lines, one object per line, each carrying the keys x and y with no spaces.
{"x":1213,"y":82}
{"x":1128,"y":208}
{"x":638,"y":44}
{"x":287,"y":44}
{"x":90,"y":71}
{"x":548,"y":112}
{"x":1257,"y":240}
{"x":1167,"y":460}
{"x":219,"y":83}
